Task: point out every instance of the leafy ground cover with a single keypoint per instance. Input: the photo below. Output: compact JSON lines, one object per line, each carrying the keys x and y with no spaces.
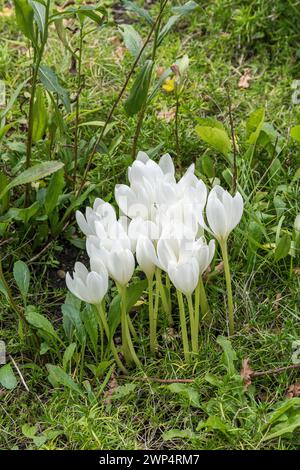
{"x":249,"y":51}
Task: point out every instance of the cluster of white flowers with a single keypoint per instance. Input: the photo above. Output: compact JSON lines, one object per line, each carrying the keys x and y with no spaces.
{"x":161,"y":226}
{"x":161,"y":223}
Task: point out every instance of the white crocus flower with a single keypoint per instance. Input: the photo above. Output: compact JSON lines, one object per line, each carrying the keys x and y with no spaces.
{"x":89,"y":287}
{"x":184,"y":275}
{"x":223,"y":212}
{"x":146,"y":256}
{"x":101,"y":211}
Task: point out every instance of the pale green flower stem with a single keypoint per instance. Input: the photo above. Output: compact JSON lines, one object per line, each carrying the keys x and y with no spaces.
{"x":184,"y":334}
{"x":201,"y":302}
{"x":129,"y":352}
{"x":165,"y":303}
{"x":194,"y":326}
{"x":223,"y":245}
{"x":103,"y":322}
{"x":152,"y":319}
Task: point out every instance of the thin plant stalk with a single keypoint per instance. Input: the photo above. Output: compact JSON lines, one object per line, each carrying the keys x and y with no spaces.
{"x":224,"y":250}
{"x":126,"y":337}
{"x":164,"y":299}
{"x":102,"y":320}
{"x":38,"y":54}
{"x":205,"y":310}
{"x":194,"y":326}
{"x":143,"y":110}
{"x":185,"y":341}
{"x":76,"y":136}
{"x":177,"y":104}
{"x":118,"y":99}
{"x":152,"y":322}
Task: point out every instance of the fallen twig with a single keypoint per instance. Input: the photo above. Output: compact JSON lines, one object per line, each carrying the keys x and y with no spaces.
{"x":19,"y":372}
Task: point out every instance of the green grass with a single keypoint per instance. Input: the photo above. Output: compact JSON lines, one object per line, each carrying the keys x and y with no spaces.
{"x":222,"y":41}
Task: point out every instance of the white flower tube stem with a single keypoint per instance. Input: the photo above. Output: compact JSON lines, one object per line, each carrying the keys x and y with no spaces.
{"x":184,"y":334}
{"x":223,"y":245}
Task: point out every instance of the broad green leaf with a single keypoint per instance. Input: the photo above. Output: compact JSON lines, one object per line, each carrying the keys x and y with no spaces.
{"x":122,"y":391}
{"x":21,"y":214}
{"x":139,"y":91}
{"x":216,"y":424}
{"x":208,"y":166}
{"x":132,"y":39}
{"x":187,"y":391}
{"x":29,"y":431}
{"x":229,"y":355}
{"x":12,"y":100}
{"x":35,"y":173}
{"x":99,"y":369}
{"x":40,"y":322}
{"x":40,"y":115}
{"x":39,"y":15}
{"x":7,"y":377}
{"x":283,"y":247}
{"x":178,"y":434}
{"x":50,"y":81}
{"x":54,"y":190}
{"x":22,"y":277}
{"x":4,"y":181}
{"x":215,"y":137}
{"x":141,"y":12}
{"x":88,"y":316}
{"x":72,"y":320}
{"x":168,"y":26}
{"x":60,"y":377}
{"x":295,"y":133}
{"x":185,"y":9}
{"x":24,"y":17}
{"x":210,"y":122}
{"x":254,"y":125}
{"x":285,"y":420}
{"x":134,"y":292}
{"x":68,"y":354}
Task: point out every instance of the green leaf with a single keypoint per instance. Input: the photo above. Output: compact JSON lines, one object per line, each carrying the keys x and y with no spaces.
{"x":214,"y":423}
{"x":54,"y":190}
{"x":178,"y":434}
{"x":4,"y":181}
{"x":35,"y":173}
{"x":141,"y":12}
{"x":7,"y":377}
{"x":208,"y":166}
{"x":168,"y":26}
{"x":68,"y":354}
{"x":284,"y":420}
{"x":134,"y":292}
{"x":72,"y":319}
{"x":13,"y":98}
{"x":24,"y":17}
{"x":282,"y":247}
{"x":229,"y":355}
{"x":185,"y":9}
{"x":40,"y":115}
{"x":40,"y":322}
{"x":58,"y":376}
{"x":29,"y":431}
{"x":295,"y":133}
{"x":139,"y":91}
{"x":254,"y":125}
{"x":187,"y":391}
{"x":215,"y":137}
{"x":90,"y":324}
{"x":122,"y":391}
{"x":99,"y":369}
{"x":132,"y":39}
{"x":21,"y":214}
{"x":50,"y":81}
{"x":22,"y":277}
{"x":39,"y":15}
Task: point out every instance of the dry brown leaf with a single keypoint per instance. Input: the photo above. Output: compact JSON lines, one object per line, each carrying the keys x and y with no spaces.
{"x":297,"y":271}
{"x":293,"y":390}
{"x":246,"y":372}
{"x":6,"y":11}
{"x":166,"y":114}
{"x":277,"y":300}
{"x":244,"y":81}
{"x":119,"y":53}
{"x":159,"y":71}
{"x":112,"y":386}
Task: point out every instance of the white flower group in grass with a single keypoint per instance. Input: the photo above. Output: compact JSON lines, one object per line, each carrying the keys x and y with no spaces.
{"x":160,"y":228}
